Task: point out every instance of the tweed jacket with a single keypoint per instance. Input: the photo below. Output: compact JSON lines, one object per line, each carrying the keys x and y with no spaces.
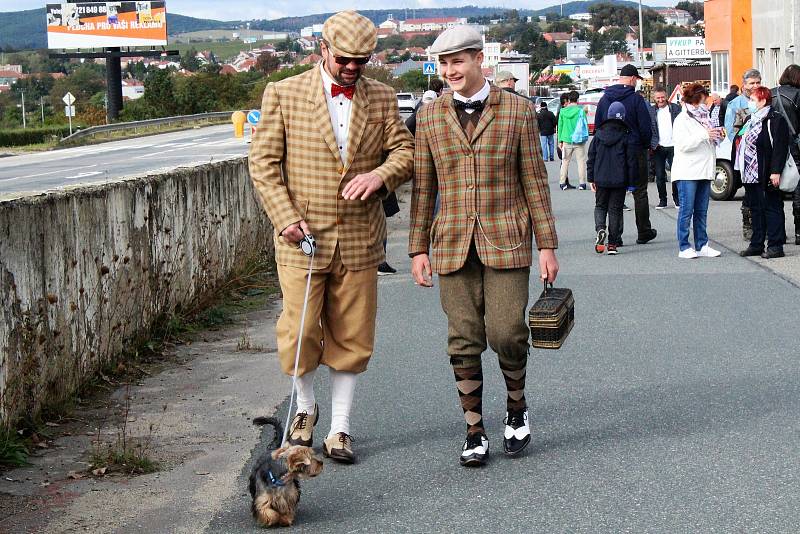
{"x":493,"y":188}
{"x":298,"y":173}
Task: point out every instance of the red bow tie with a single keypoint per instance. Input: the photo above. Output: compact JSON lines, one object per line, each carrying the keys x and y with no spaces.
{"x":347,"y":91}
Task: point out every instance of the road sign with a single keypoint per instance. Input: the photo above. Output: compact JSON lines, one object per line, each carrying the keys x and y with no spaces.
{"x":69,"y":99}
{"x":69,"y":111}
{"x":429,"y":68}
{"x":253,"y":117}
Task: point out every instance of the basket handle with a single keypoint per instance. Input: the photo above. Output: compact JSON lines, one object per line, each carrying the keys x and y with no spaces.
{"x":546,"y":283}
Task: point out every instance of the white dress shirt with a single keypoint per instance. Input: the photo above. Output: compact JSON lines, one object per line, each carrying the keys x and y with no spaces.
{"x":479,"y":96}
{"x":339,"y":110}
{"x":664,"y":118}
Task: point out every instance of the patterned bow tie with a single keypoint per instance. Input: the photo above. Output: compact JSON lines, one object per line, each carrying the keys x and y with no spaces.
{"x":477,"y":105}
{"x":347,"y":91}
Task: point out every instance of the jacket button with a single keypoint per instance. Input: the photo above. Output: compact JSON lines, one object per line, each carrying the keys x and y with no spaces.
{"x":340,"y":170}
{"x":471,"y":186}
{"x":338,"y":221}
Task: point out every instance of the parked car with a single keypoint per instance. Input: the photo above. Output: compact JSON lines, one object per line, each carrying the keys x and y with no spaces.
{"x":587,"y":100}
{"x":406,"y":101}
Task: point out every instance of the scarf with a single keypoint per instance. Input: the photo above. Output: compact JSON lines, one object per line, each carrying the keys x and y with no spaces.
{"x":756,"y":123}
{"x":700,"y":114}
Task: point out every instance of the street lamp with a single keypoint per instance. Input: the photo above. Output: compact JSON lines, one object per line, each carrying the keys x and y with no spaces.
{"x":641,"y":38}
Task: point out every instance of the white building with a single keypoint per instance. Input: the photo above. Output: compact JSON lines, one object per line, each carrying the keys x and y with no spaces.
{"x":775,"y":28}
{"x":132,"y":89}
{"x":389,"y":23}
{"x":675,"y":17}
{"x":491,"y":54}
{"x":585,"y":17}
{"x":430,"y":24}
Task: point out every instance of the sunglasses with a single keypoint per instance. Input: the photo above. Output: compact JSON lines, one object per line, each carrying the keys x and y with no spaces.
{"x":347,"y":60}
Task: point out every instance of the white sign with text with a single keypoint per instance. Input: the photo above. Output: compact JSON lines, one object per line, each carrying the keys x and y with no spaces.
{"x":687,"y":48}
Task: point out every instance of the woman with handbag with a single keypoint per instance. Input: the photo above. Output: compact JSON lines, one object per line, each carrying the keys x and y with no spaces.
{"x":786,"y":99}
{"x":695,"y":138}
{"x":760,"y":158}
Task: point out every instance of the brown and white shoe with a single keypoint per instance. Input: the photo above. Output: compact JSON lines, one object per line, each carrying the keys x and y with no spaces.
{"x":339,"y":447}
{"x":301,"y":430}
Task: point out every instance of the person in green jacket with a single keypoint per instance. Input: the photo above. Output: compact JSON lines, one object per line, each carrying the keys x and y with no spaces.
{"x":571,"y":118}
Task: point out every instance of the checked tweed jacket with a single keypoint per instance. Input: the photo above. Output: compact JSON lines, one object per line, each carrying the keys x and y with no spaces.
{"x":298,"y":173}
{"x":495,"y":181}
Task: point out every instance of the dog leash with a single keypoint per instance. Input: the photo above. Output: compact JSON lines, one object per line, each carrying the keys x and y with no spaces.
{"x":309,"y":247}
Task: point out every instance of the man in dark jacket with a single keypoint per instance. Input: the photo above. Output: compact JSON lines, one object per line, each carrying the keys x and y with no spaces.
{"x":662,"y":115}
{"x":734,"y":92}
{"x":637,"y":117}
{"x":547,"y":132}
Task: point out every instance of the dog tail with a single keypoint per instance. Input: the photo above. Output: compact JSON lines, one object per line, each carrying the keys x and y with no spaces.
{"x":276,"y":424}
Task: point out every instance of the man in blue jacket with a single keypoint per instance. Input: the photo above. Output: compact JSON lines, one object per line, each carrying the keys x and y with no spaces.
{"x":637,"y":117}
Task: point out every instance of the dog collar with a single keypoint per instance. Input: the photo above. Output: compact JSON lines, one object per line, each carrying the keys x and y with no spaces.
{"x":275,"y":481}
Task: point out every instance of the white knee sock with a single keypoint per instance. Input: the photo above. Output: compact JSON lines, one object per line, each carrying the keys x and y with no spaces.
{"x":305,"y":392}
{"x":343,"y":386}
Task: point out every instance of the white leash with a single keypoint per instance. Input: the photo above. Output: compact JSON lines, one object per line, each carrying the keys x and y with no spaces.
{"x":309,"y":248}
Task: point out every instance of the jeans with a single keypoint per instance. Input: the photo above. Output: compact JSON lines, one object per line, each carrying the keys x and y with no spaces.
{"x":548,"y":147}
{"x":693,"y":198}
{"x":766,"y":207}
{"x":640,"y":202}
{"x":579,"y":151}
{"x":662,"y":156}
{"x":608,"y":202}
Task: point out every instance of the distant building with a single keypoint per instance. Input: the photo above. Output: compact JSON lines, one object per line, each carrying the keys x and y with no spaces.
{"x":577,"y":50}
{"x":7,"y":77}
{"x":132,"y":89}
{"x":311,"y":59}
{"x":389,"y":23}
{"x":386,"y":32}
{"x":674,"y":17}
{"x":557,"y":37}
{"x":430,"y":24}
{"x":491,"y":54}
{"x":13,"y":68}
{"x":407,"y":66}
{"x":586,"y":17}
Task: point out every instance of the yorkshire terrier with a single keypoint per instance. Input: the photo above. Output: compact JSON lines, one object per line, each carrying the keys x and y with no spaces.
{"x":274,"y":481}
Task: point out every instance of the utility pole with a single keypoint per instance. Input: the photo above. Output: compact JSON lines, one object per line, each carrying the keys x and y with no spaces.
{"x":641,"y":38}
{"x":41,"y":103}
{"x":24,"y":124}
{"x":562,"y":8}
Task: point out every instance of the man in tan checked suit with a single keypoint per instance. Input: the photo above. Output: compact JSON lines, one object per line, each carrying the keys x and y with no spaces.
{"x":329,"y":145}
{"x":479,"y":150}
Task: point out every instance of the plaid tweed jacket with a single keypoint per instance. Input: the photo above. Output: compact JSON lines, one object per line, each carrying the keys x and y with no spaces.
{"x":490,"y":187}
{"x":298,"y":173}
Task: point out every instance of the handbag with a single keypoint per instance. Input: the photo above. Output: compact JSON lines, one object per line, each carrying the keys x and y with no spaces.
{"x":581,"y":132}
{"x":790,"y":176}
{"x":551,"y":317}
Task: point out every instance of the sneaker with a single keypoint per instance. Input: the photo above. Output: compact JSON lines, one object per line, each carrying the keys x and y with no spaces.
{"x":708,"y":252}
{"x":771,"y":253}
{"x":384,"y":269}
{"x":582,"y":187}
{"x":662,"y":205}
{"x":647,"y":237}
{"x":612,"y":250}
{"x":688,"y":254}
{"x":301,"y":430}
{"x":625,"y":207}
{"x":563,"y":187}
{"x":475,"y":450}
{"x":751,"y":251}
{"x":517,"y":433}
{"x":339,"y":447}
{"x":599,"y":243}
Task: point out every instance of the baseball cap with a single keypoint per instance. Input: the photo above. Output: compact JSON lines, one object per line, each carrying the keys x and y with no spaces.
{"x":616,"y":111}
{"x":630,"y":70}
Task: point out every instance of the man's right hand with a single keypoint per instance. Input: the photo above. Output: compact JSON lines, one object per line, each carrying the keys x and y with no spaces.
{"x":421,"y":270}
{"x":295,"y":232}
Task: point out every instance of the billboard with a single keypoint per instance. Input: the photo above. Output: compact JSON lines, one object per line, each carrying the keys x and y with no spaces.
{"x":687,"y":48}
{"x":104,"y":24}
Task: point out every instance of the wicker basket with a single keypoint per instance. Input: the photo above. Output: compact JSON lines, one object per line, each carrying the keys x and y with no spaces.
{"x":551,"y":317}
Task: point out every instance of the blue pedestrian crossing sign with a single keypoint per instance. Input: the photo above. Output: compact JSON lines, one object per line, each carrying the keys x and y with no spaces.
{"x":253,"y":117}
{"x":429,"y":68}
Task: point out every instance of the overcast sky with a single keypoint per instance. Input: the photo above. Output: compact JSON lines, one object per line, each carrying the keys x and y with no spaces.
{"x":271,"y":9}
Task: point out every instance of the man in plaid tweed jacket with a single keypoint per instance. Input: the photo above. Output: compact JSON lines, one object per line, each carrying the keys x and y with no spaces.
{"x":478,"y":150}
{"x":330,"y":143}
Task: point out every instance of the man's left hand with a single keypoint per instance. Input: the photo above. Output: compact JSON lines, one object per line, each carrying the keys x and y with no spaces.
{"x":548,"y":265}
{"x":362,"y":186}
{"x":775,"y":179}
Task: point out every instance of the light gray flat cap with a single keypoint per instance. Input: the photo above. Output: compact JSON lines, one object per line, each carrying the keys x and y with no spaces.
{"x":456,"y":39}
{"x":504,"y":75}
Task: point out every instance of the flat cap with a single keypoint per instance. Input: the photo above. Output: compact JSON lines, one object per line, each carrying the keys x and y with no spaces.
{"x":504,"y":75}
{"x":349,"y":34}
{"x":456,"y":39}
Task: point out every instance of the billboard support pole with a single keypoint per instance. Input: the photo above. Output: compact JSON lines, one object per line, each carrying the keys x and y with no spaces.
{"x":113,"y":84}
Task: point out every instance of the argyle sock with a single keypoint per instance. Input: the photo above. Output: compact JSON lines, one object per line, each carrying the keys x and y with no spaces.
{"x":515,"y":387}
{"x":469,"y":381}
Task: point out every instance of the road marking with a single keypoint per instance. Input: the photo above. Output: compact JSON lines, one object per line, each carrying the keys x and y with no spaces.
{"x":44,"y":173}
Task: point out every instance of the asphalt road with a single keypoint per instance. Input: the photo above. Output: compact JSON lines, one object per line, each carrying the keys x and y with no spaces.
{"x":673,"y":406}
{"x":43,"y":171}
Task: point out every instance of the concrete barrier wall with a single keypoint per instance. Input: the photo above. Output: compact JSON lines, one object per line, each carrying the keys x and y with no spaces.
{"x":86,"y":272}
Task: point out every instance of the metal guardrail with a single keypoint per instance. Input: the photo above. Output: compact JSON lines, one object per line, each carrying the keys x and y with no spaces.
{"x":120,"y":126}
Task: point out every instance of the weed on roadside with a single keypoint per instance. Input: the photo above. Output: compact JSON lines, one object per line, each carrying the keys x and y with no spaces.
{"x":13,"y":449}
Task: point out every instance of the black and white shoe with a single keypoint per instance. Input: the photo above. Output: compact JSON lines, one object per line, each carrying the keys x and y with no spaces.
{"x":517,"y":433}
{"x":475,"y":450}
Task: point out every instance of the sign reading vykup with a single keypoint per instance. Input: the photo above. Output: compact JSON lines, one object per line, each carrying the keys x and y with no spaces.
{"x":106,"y":24}
{"x":686,"y":48}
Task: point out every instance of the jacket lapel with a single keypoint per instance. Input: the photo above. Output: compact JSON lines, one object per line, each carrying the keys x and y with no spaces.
{"x":452,"y":120}
{"x":487,"y":116}
{"x":322,"y":117}
{"x":359,"y":111}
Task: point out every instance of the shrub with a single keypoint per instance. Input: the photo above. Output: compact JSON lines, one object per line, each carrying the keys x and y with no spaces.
{"x":31,"y":136}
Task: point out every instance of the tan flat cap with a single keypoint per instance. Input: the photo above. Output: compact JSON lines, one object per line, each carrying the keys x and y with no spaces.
{"x":350,"y":34}
{"x":504,"y":75}
{"x":456,"y":39}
